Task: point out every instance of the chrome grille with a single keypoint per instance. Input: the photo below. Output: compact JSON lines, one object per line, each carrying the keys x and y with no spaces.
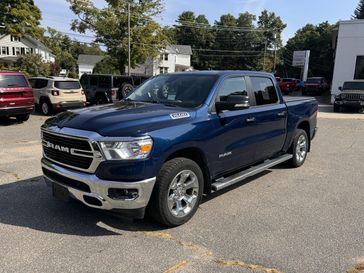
{"x":67,"y":150}
{"x":353,"y":97}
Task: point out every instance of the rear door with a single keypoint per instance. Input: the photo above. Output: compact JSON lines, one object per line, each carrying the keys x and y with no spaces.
{"x":15,"y":91}
{"x":69,"y":90}
{"x":270,"y":125}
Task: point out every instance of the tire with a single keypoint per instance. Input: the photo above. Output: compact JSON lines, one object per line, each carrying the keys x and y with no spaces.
{"x":100,"y":99}
{"x":22,"y":118}
{"x":46,"y":108}
{"x":299,"y":153}
{"x":337,"y":109}
{"x":168,"y":204}
{"x":126,"y":90}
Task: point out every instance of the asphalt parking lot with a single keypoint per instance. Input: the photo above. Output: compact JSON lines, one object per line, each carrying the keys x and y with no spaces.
{"x":306,"y":220}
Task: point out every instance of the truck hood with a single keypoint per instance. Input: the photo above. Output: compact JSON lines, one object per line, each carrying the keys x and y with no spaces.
{"x":123,"y":118}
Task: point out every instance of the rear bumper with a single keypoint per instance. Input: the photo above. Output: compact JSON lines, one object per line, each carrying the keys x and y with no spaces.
{"x":16,"y":111}
{"x":78,"y":184}
{"x":69,"y":105}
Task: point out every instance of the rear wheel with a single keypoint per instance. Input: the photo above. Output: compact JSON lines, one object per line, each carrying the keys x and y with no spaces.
{"x":177,"y":192}
{"x":299,"y":148}
{"x":100,"y":99}
{"x":46,"y":108}
{"x":22,"y":118}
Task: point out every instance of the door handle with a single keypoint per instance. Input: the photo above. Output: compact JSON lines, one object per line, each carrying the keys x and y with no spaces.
{"x":250,"y":120}
{"x":282,"y":114}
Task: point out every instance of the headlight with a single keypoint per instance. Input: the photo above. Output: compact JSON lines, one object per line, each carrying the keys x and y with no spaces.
{"x":127,"y":150}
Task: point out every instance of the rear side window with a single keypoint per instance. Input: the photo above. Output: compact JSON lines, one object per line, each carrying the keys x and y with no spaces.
{"x":232,"y":86}
{"x":264,"y":91}
{"x":67,"y":85}
{"x":9,"y":81}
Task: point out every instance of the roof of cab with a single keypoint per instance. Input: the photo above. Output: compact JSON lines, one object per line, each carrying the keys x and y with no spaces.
{"x":225,"y":73}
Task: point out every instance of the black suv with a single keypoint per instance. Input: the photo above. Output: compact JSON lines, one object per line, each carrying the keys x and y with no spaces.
{"x":351,"y":96}
{"x":101,"y":89}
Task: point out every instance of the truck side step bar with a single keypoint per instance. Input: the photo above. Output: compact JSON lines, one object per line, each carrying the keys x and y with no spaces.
{"x":231,"y":180}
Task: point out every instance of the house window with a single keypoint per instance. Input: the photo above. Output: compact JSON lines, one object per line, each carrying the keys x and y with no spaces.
{"x":163,"y":70}
{"x":22,"y":51}
{"x":4,"y":50}
{"x":14,"y":38}
{"x":17,"y":51}
{"x":164,"y":56}
{"x":27,"y":50}
{"x":359,"y":68}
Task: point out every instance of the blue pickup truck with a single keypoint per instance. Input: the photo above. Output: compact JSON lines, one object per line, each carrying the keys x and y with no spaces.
{"x":176,"y":137}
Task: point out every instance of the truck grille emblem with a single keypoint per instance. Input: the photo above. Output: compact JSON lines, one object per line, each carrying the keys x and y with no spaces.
{"x":57,"y":147}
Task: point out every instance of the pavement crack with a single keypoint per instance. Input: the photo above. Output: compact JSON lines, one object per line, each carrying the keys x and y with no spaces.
{"x":177,"y":267}
{"x":12,"y":174}
{"x":208,"y":255}
{"x":359,"y":267}
{"x":253,"y":267}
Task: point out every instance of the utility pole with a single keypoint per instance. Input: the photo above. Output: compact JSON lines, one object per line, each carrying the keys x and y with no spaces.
{"x":265,"y":54}
{"x":129,"y":61}
{"x":275,"y":52}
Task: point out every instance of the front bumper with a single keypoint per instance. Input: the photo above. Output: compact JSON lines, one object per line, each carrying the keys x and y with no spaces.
{"x":352,"y":104}
{"x":16,"y":111}
{"x":93,"y":188}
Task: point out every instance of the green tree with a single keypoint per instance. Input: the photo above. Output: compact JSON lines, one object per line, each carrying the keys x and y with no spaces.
{"x":359,"y":11}
{"x":108,"y":65}
{"x":272,"y":26}
{"x":32,"y":65}
{"x":20,"y":17}
{"x":110,"y":25}
{"x":317,"y":39}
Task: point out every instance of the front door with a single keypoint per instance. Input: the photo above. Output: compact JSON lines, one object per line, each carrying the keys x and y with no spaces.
{"x":232,"y":141}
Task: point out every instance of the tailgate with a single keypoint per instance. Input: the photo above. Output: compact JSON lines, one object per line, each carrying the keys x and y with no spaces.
{"x":16,"y":97}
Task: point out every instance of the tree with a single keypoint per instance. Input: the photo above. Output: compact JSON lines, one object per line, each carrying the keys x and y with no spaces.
{"x":108,"y":65}
{"x":359,"y":11}
{"x":20,"y":17}
{"x":33,"y":65}
{"x":317,"y":39}
{"x":110,"y":25}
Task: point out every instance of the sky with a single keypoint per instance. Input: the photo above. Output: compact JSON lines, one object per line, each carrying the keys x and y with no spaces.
{"x":294,"y":13}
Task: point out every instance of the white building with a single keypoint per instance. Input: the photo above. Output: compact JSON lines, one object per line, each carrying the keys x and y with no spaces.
{"x":86,"y":63}
{"x":11,"y":47}
{"x":175,"y":58}
{"x":349,"y":60}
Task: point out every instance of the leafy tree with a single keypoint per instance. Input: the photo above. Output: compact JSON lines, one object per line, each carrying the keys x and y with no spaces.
{"x":108,"y":65}
{"x":20,"y":17}
{"x":32,"y":65}
{"x":317,"y":39}
{"x":110,"y":27}
{"x":272,"y":27}
{"x":359,"y":11}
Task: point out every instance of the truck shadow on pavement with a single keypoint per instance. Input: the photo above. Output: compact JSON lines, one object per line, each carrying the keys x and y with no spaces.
{"x":29,"y":203}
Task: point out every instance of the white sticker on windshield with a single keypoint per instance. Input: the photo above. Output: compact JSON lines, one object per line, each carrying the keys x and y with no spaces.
{"x":179,"y":115}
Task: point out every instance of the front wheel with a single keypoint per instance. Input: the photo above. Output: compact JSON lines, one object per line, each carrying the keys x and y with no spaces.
{"x":177,"y":192}
{"x":299,"y":148}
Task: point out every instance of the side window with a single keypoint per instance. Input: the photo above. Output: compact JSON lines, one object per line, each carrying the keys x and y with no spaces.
{"x":264,"y":91}
{"x":232,"y":86}
{"x":32,"y":82}
{"x":93,"y":81}
{"x":43,"y":83}
{"x":104,"y":82}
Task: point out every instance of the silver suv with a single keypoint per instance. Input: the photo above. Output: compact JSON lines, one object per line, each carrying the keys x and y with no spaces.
{"x":54,"y":94}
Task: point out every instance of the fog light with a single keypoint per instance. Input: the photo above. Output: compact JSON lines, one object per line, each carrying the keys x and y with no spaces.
{"x":123,"y":194}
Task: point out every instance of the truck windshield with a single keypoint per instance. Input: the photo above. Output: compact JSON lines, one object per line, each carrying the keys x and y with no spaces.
{"x":314,"y":80}
{"x":354,"y":85}
{"x":186,"y":90}
{"x":67,"y":85}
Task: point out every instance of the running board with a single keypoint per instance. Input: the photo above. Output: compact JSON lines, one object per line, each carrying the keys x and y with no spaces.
{"x":231,"y":180}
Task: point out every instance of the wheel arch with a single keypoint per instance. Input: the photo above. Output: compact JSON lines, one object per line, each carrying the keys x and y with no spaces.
{"x":305,"y":125}
{"x":197,"y":155}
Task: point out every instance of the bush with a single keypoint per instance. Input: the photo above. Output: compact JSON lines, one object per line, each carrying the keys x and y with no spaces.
{"x":32,"y":65}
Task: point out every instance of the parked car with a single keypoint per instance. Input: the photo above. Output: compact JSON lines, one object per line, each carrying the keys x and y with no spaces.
{"x":315,"y":86}
{"x":55,"y":94}
{"x":287,"y":85}
{"x":101,"y":89}
{"x":351,"y":96}
{"x":176,"y":137}
{"x":16,"y":97}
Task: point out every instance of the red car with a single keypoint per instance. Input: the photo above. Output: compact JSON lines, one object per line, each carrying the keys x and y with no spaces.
{"x":287,"y":85}
{"x":16,"y":96}
{"x":315,"y":86}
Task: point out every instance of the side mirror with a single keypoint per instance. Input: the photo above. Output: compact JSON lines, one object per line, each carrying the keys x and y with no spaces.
{"x":233,"y":103}
{"x":340,"y":88}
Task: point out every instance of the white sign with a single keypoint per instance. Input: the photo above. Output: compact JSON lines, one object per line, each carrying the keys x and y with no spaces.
{"x":299,"y":58}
